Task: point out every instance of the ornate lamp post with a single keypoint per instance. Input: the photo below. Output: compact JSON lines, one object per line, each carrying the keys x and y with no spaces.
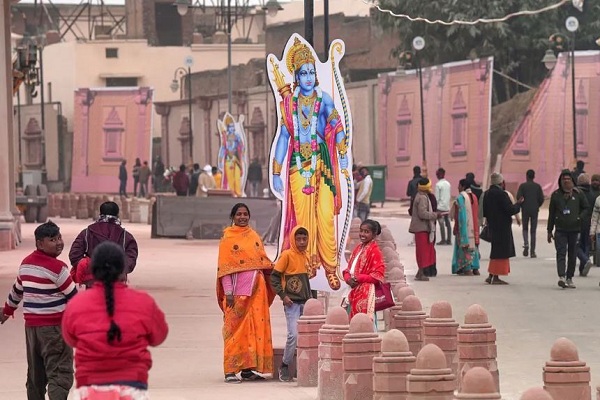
{"x":558,"y":43}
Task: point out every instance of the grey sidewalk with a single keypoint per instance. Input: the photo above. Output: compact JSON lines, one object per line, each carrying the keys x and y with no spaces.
{"x":529,"y":315}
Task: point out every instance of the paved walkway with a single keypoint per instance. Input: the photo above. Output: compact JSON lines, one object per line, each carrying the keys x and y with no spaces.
{"x":529,"y":315}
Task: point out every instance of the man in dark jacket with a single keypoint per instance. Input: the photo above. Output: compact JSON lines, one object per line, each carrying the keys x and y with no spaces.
{"x":123,"y":179}
{"x":254,"y":177}
{"x":107,"y":227}
{"x":159,"y":171}
{"x":412,"y":188}
{"x":568,"y":206}
{"x":181,"y":181}
{"x":194,"y":180}
{"x":585,"y":243}
{"x":533,"y":196}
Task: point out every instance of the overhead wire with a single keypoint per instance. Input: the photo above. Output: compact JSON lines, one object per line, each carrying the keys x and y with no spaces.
{"x":477,"y":21}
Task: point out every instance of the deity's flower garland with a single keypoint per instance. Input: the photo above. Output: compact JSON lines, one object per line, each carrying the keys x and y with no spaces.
{"x":306,"y":173}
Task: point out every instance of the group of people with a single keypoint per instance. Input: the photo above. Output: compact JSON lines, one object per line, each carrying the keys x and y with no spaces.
{"x":108,"y":324}
{"x":141,"y":174}
{"x":247,"y":283}
{"x":195,"y":182}
{"x":573,"y":222}
{"x":469,"y":212}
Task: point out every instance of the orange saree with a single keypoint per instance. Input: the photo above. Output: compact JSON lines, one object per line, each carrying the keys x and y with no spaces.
{"x":246,"y":325}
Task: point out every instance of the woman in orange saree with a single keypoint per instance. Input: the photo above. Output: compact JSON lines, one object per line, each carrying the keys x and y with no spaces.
{"x":365,"y":269}
{"x":244,"y":295}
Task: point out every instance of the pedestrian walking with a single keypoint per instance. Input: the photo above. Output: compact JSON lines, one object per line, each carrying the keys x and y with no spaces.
{"x":159,"y":172}
{"x":111,"y":327}
{"x":290,"y":279}
{"x":465,"y":258}
{"x":123,"y":178}
{"x":567,"y":207}
{"x":579,"y":169}
{"x":136,"y":176}
{"x":106,"y":228}
{"x":412,"y":188}
{"x":254,"y":177}
{"x":44,"y":286}
{"x":194,"y":175}
{"x":443,"y":198}
{"x":145,"y":174}
{"x":585,"y":244}
{"x":595,"y":225}
{"x":533,"y":196}
{"x":181,"y":181}
{"x":206,"y":182}
{"x":422,"y":224}
{"x":498,"y":210}
{"x":363,"y":198}
{"x":244,"y":296}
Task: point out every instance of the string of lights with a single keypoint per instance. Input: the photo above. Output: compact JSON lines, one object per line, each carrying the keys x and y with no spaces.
{"x":576,"y":3}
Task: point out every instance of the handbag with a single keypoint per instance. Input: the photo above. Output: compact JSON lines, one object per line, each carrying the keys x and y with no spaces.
{"x":485,"y":233}
{"x":383,"y":296}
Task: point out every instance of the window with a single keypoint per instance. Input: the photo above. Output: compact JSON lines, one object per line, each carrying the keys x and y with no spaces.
{"x":521,"y":146}
{"x":121,"y":82}
{"x":459,"y":125}
{"x":111,"y":52}
{"x":113,"y":129}
{"x":403,"y":129}
{"x":581,"y":120}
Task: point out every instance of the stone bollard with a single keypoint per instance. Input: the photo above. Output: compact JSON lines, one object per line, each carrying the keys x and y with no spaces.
{"x":90,"y":206}
{"x":389,"y":255}
{"x":360,"y":345}
{"x":65,"y":206}
{"x":565,"y":376}
{"x":117,"y":201}
{"x":430,"y":379}
{"x":395,"y":276}
{"x":50,"y":201}
{"x":74,"y":198}
{"x":536,"y":394}
{"x":400,"y":294}
{"x":150,"y":208}
{"x":97,"y":203}
{"x":82,"y":211}
{"x":125,"y":209}
{"x":478,"y":384}
{"x":409,"y":320}
{"x":477,"y":345}
{"x":331,"y":372}
{"x":386,"y":239}
{"x":135,"y":214}
{"x":441,"y":329}
{"x":307,"y":360}
{"x":392,"y":367}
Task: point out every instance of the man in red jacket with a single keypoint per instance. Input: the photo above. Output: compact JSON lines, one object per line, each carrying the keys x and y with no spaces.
{"x":106,"y":228}
{"x":181,"y":181}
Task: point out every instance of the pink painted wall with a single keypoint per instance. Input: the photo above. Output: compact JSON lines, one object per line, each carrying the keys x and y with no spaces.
{"x":457,"y":105}
{"x":110,"y":125}
{"x":544,"y":139}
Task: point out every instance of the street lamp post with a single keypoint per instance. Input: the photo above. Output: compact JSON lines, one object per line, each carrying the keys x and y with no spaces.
{"x":572,"y":25}
{"x":418,"y":44}
{"x":326,"y":26}
{"x":558,"y":40}
{"x":180,"y":72}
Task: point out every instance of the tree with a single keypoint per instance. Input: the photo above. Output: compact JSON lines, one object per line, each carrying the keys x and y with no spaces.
{"x":517,"y":45}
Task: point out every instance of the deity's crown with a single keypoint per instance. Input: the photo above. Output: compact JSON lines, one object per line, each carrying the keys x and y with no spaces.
{"x":228,"y":120}
{"x":298,"y":55}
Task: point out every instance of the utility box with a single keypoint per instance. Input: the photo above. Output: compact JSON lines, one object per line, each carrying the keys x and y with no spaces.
{"x":379,"y":175}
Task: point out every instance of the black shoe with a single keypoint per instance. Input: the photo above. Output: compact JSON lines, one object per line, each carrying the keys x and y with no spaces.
{"x":526,"y":251}
{"x":441,"y":243}
{"x":449,"y":242}
{"x":533,"y":255}
{"x":284,"y":373}
{"x":249,"y":375}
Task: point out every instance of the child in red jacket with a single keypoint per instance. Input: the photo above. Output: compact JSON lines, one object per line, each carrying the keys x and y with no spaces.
{"x":111,"y":326}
